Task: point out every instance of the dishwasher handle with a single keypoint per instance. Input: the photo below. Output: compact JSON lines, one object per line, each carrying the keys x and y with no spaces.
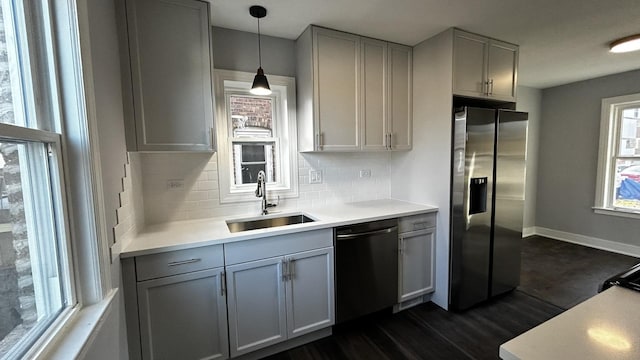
{"x":356,"y":235}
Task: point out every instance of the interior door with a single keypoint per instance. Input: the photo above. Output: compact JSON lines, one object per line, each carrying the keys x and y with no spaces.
{"x":509,"y":199}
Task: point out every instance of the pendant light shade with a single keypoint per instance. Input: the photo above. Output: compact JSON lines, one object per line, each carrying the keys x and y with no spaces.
{"x":260,"y":84}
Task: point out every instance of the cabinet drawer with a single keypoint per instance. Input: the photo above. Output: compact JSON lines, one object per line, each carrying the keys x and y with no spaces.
{"x":279,"y":245}
{"x":178,"y":262}
{"x":416,"y":222}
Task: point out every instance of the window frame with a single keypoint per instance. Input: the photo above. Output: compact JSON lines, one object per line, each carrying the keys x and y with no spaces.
{"x":48,"y":329}
{"x":60,"y":69}
{"x":284,"y":135}
{"x":609,"y":144}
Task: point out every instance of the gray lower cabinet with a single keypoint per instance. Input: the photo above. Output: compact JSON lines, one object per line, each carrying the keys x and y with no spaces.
{"x":184,"y":316}
{"x":176,"y":304}
{"x":416,"y":264}
{"x":416,"y":258}
{"x":279,"y":298}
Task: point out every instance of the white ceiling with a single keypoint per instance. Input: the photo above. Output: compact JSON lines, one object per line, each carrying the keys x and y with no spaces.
{"x":561,"y":41}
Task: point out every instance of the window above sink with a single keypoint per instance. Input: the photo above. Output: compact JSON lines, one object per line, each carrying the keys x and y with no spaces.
{"x":255,"y":133}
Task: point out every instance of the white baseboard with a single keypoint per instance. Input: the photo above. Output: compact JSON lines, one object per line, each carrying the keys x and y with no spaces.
{"x":602,"y":244}
{"x":528,"y":231}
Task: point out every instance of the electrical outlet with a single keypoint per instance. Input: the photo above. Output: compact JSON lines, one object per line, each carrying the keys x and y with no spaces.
{"x":365,"y":173}
{"x":175,"y":184}
{"x":315,"y":176}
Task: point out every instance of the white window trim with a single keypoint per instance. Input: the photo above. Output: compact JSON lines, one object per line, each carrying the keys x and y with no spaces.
{"x":609,"y":130}
{"x":287,"y":187}
{"x":76,"y":327}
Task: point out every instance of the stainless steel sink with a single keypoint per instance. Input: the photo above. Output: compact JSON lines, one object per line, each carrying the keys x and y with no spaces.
{"x":253,"y":224}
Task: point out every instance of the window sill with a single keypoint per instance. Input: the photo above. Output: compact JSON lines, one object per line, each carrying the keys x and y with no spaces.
{"x":617,"y":212}
{"x":74,"y":337}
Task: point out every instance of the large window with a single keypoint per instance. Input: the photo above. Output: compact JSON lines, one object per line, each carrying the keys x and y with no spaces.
{"x":619,"y":162}
{"x":255,"y":133}
{"x":35,"y":268}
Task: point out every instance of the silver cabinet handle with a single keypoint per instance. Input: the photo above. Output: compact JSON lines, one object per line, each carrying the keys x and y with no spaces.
{"x":284,"y":265}
{"x":317,"y":141}
{"x":223,"y":283}
{"x":292,"y":269}
{"x":183,"y":262}
{"x":390,"y":141}
{"x":490,"y":86}
{"x":401,"y":246}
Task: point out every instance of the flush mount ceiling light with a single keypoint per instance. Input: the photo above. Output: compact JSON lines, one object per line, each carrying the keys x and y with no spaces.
{"x":260,"y":84}
{"x":626,"y":44}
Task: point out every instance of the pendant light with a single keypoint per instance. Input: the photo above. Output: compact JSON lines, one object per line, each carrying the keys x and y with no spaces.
{"x":260,"y":84}
{"x":626,"y":44}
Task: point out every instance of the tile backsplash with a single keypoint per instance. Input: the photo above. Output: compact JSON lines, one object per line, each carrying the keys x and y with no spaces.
{"x":199,"y":196}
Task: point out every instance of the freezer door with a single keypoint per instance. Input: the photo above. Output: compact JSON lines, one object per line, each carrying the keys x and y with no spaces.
{"x":472,"y":184}
{"x":509,"y":200}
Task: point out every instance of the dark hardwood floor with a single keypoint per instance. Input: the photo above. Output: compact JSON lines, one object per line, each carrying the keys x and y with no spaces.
{"x":555,"y":276}
{"x":566,"y":274}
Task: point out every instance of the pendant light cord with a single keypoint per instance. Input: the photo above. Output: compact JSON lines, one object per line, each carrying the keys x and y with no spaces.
{"x":259,"y":45}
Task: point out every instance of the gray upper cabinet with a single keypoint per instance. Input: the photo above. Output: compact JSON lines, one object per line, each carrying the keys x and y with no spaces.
{"x":170,"y":63}
{"x":354,"y":93}
{"x":484,"y":67}
{"x":400,"y":97}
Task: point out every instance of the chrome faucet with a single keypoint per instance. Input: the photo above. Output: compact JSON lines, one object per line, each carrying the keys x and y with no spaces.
{"x":261,"y":191}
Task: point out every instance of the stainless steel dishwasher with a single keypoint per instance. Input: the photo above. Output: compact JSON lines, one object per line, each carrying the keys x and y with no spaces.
{"x":366,"y":268}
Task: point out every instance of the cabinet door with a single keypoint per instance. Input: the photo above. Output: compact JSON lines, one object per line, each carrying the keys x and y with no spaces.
{"x":310,"y":291}
{"x":256,"y":298}
{"x":171,"y":74}
{"x":469,"y":56}
{"x":416,"y":264}
{"x":183,"y":316}
{"x":502,"y":70}
{"x":336,"y":89}
{"x":400,"y":97}
{"x":373,"y":122}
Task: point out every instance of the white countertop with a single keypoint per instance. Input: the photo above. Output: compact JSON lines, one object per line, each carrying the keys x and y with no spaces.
{"x":194,"y":233}
{"x":607,"y":326}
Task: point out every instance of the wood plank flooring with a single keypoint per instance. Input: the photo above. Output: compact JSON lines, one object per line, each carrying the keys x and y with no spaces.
{"x":428,"y":332}
{"x":555,"y":276}
{"x":566,"y":274}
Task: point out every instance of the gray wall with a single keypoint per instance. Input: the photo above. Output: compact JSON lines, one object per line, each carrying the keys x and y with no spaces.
{"x":530,"y":100}
{"x":238,"y":50}
{"x":568,"y":157}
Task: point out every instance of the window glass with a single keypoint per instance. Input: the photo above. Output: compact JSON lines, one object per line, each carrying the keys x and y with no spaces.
{"x":35,"y":270}
{"x":627,"y":165}
{"x":252,"y":118}
{"x":31,"y":290}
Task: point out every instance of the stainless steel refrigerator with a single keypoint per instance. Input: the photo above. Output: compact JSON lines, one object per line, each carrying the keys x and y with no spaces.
{"x":488,"y":172}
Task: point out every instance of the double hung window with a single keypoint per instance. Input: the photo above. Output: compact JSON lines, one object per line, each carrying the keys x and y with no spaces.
{"x":618,"y":187}
{"x":36,"y":284}
{"x":255,"y":133}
